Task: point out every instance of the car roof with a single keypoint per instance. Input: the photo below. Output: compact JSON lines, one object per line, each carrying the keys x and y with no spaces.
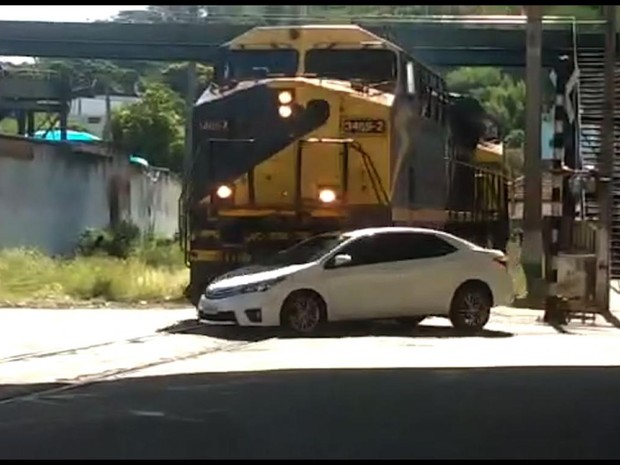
{"x":407,"y":229}
{"x":389,"y":229}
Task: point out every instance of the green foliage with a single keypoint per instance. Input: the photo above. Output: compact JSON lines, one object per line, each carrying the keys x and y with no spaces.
{"x":94,"y":242}
{"x":153,"y":127}
{"x":197,"y":13}
{"x":119,"y":241}
{"x":151,"y":269}
{"x":30,"y":276}
{"x":164,"y":14}
{"x":94,"y":75}
{"x":515,"y":138}
{"x":500,"y":94}
{"x":9,"y":125}
{"x":175,"y":76}
{"x":160,"y":253}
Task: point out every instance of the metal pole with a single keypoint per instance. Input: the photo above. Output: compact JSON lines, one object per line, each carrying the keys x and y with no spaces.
{"x":107,"y":129}
{"x":532,"y":253}
{"x":606,"y":165}
{"x":553,"y":313}
{"x":189,"y":106}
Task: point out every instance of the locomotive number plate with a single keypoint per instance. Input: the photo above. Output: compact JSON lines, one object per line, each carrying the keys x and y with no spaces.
{"x":214,"y":125}
{"x":363,"y":126}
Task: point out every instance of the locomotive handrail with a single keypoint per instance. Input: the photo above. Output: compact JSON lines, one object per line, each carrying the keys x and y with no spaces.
{"x":375,"y":179}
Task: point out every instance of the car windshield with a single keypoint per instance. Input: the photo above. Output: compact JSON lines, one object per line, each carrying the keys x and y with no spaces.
{"x":306,"y":251}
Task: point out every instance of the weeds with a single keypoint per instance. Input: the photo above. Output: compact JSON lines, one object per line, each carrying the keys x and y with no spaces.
{"x":153,"y":271}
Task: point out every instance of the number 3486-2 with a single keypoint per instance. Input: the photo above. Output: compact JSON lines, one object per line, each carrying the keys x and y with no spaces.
{"x":363,"y":126}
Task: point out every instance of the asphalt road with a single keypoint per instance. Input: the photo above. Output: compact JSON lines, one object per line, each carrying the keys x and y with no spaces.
{"x":355,"y":392}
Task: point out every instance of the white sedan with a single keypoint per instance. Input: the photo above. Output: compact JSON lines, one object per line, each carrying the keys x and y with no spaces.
{"x":376,"y":273}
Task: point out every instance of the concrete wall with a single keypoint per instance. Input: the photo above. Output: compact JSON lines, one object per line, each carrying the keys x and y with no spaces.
{"x":51,"y":192}
{"x":154,"y":200}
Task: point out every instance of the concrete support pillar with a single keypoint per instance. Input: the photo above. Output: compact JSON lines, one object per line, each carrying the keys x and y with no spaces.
{"x":532,"y":252}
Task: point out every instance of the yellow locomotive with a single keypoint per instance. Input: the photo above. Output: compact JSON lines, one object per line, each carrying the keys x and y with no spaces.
{"x":313,"y":128}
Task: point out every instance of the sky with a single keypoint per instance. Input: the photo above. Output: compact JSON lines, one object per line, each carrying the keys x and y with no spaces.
{"x":59,"y":13}
{"x":67,"y":13}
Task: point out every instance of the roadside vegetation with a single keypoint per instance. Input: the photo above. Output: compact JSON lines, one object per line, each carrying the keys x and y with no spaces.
{"x":109,"y":266}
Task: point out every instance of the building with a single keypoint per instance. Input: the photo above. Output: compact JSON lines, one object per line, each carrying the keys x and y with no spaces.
{"x":90,"y":112}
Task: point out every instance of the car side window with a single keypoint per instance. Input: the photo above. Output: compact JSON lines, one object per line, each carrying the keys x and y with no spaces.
{"x":395,"y":247}
{"x":364,"y":251}
{"x":420,"y":246}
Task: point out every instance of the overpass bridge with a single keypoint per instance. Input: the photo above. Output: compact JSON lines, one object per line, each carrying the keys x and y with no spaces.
{"x":457,"y":41}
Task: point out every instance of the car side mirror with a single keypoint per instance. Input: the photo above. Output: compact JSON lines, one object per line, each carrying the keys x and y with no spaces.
{"x":341,"y":260}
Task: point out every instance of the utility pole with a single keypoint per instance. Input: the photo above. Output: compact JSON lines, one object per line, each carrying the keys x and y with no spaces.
{"x":107,"y":127}
{"x":532,"y":251}
{"x":190,"y":97}
{"x":606,"y":159}
{"x":192,"y":85}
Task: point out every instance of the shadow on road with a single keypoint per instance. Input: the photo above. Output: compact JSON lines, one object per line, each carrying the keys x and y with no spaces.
{"x":334,"y":330}
{"x":485,"y":413}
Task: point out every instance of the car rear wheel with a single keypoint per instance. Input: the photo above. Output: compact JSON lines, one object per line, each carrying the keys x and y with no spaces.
{"x":471,"y":307}
{"x":303,"y":312}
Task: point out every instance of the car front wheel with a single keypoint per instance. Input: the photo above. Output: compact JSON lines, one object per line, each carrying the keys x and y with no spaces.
{"x":471,"y":307}
{"x":303,"y":312}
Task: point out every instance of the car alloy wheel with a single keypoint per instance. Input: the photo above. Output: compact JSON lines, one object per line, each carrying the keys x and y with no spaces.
{"x":303,"y":312}
{"x":471,"y":308}
{"x":474,"y":310}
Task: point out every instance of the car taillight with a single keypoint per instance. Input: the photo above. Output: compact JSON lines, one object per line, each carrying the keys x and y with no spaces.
{"x":503,"y":261}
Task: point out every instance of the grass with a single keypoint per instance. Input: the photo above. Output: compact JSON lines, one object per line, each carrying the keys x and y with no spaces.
{"x":153,"y":273}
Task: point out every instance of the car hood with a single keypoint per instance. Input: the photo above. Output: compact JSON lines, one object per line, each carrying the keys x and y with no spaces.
{"x":255,"y":274}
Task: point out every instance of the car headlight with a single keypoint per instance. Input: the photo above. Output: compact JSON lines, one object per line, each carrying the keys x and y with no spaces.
{"x":261,"y":286}
{"x":224,"y":292}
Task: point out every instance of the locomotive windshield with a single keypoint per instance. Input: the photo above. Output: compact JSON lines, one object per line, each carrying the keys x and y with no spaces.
{"x":367,"y":65}
{"x":255,"y":64}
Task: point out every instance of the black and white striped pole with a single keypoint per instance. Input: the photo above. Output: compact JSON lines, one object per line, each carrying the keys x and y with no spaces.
{"x":552,"y":312}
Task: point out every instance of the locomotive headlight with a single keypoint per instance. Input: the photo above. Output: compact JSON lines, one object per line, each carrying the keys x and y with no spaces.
{"x":327,"y":195}
{"x":285,"y":111}
{"x":224,"y":192}
{"x":285,"y":97}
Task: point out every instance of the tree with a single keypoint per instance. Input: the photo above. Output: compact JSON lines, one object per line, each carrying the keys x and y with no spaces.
{"x":164,"y":14}
{"x":500,"y":94}
{"x":95,"y":74}
{"x":175,"y":76}
{"x":153,"y":128}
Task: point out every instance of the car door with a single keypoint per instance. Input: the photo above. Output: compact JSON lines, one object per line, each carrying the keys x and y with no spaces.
{"x":364,"y":288}
{"x":428,"y":268}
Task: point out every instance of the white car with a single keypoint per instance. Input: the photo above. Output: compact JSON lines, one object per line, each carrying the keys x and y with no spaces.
{"x":376,"y":273}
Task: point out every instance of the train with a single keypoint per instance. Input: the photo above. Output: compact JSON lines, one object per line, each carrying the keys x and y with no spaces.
{"x":313,"y":128}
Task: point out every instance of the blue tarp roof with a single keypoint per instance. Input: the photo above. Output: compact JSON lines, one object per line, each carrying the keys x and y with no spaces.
{"x":77,"y":136}
{"x":82,"y":136}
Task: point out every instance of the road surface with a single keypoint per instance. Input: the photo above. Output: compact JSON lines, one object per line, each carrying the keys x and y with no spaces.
{"x":151,"y":384}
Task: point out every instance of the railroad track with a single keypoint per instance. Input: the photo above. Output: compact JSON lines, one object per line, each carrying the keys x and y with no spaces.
{"x":85,"y":380}
{"x":73,"y":350}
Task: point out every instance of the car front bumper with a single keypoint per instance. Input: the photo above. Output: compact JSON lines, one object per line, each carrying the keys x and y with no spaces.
{"x":257,"y":309}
